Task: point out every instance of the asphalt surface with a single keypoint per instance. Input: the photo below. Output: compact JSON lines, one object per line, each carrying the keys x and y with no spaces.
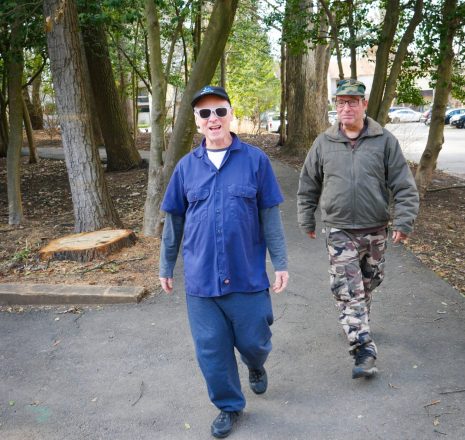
{"x":129,"y":371}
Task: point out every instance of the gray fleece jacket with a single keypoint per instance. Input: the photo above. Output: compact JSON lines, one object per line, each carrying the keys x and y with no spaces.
{"x":353,"y":184}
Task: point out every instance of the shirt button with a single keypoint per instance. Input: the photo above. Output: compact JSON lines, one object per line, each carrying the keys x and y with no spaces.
{"x":227,"y":281}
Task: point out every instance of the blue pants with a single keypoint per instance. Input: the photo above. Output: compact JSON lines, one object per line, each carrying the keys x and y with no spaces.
{"x":219,"y":324}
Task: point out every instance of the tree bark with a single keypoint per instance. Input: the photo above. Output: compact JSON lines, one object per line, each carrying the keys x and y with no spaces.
{"x":93,"y":208}
{"x":3,"y":126}
{"x":382,"y":57}
{"x":427,"y":165}
{"x":283,"y":105}
{"x":15,"y":63}
{"x":335,"y":37}
{"x":121,"y":151}
{"x":307,"y":93}
{"x":157,"y":118}
{"x":36,"y":113}
{"x":197,"y":31}
{"x":407,"y":38}
{"x":209,"y":55}
{"x":33,"y":156}
{"x":96,"y":130}
{"x":352,"y":41}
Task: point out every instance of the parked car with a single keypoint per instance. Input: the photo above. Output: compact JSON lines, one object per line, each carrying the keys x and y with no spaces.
{"x":332,"y":116}
{"x":393,"y":109}
{"x":404,"y":115}
{"x":453,"y":112}
{"x":458,"y":121}
{"x":274,"y":123}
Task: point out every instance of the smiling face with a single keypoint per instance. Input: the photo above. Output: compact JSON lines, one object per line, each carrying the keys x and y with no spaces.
{"x":351,"y":118}
{"x":215,"y":129}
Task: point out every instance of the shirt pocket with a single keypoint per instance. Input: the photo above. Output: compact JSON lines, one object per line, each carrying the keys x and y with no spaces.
{"x":243,"y":201}
{"x":197,"y":209}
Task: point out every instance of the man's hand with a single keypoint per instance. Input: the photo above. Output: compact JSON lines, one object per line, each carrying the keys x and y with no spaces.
{"x":399,"y":237}
{"x":167,"y":284}
{"x":311,"y":234}
{"x":280,"y":282}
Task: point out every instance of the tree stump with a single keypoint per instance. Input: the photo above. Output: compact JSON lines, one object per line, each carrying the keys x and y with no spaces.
{"x":87,"y":245}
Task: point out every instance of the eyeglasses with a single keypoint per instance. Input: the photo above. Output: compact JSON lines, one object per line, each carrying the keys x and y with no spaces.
{"x":219,"y":112}
{"x":340,"y":103}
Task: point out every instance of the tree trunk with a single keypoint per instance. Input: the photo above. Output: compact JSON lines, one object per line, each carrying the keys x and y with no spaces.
{"x":3,"y":115}
{"x":388,"y":32}
{"x":15,"y":74}
{"x":93,"y":208}
{"x":283,"y":104}
{"x":427,"y":165}
{"x":197,"y":31}
{"x":121,"y":151}
{"x":3,"y":126}
{"x":335,"y":37}
{"x":307,"y":94}
{"x":390,"y":89}
{"x":157,"y":119}
{"x":33,"y":156}
{"x":36,"y":112}
{"x":213,"y":45}
{"x":352,"y":41}
{"x":96,"y":131}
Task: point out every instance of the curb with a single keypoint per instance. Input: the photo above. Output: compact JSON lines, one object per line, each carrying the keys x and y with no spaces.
{"x":45,"y":294}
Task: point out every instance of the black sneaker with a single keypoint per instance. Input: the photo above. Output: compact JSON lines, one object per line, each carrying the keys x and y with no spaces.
{"x":223,"y":424}
{"x":258,"y":380}
{"x":364,"y":364}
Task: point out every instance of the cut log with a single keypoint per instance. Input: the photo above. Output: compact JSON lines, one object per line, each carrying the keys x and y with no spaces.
{"x":87,"y":245}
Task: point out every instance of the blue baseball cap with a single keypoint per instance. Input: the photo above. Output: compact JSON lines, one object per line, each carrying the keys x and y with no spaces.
{"x":210,"y":90}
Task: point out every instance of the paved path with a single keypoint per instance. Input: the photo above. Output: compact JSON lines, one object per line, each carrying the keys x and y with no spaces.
{"x":129,"y":371}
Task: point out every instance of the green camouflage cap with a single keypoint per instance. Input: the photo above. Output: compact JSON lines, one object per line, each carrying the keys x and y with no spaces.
{"x":350,"y":87}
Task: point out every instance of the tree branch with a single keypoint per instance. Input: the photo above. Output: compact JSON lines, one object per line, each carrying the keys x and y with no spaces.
{"x":128,"y":58}
{"x":39,"y":71}
{"x":445,"y":188}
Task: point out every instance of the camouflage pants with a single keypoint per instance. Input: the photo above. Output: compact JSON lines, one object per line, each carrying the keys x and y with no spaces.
{"x":356,"y":269}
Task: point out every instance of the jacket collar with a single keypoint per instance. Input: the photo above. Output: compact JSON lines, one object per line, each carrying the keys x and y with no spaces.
{"x":202,"y":148}
{"x":373,"y":129}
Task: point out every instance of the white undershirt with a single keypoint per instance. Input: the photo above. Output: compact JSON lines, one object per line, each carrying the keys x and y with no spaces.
{"x":217,"y":156}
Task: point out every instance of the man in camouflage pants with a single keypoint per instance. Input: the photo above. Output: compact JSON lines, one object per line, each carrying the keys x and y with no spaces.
{"x":351,"y":171}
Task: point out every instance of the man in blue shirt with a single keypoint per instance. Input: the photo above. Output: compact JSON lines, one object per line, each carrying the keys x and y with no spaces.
{"x":224,"y":198}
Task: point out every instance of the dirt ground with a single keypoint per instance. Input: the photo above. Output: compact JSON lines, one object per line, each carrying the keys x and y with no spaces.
{"x":438,"y":241}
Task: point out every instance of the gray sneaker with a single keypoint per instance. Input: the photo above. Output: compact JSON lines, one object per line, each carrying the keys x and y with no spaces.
{"x":258,"y":380}
{"x":364,"y":364}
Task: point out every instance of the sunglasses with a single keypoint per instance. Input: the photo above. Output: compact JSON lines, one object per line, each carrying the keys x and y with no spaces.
{"x":219,"y":112}
{"x":341,"y":103}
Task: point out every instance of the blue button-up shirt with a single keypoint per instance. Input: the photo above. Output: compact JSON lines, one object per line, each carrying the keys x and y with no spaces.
{"x":223,"y":247}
